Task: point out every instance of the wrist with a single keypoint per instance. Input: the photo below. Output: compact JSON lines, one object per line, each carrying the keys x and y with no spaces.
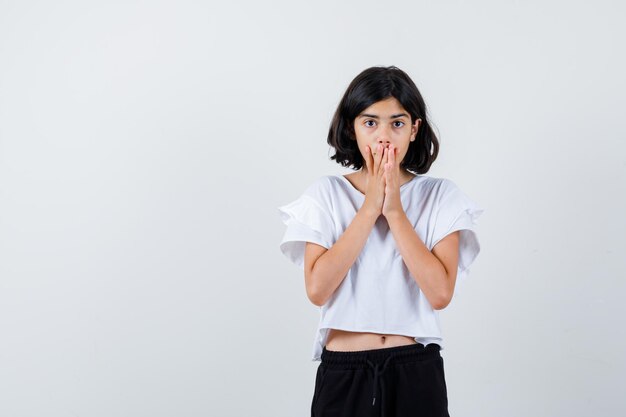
{"x":395,"y":217}
{"x":368,"y":213}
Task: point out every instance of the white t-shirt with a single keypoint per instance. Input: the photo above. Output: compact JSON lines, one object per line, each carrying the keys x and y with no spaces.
{"x":379,"y":294}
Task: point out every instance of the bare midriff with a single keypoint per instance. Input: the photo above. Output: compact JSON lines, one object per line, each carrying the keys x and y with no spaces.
{"x":342,"y":340}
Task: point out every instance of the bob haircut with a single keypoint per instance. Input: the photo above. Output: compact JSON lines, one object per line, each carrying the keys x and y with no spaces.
{"x":370,"y":86}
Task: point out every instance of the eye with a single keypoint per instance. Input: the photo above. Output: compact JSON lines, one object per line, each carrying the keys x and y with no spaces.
{"x":367,"y":121}
{"x":401,"y":123}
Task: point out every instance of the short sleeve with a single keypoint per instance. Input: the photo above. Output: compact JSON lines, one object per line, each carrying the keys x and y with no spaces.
{"x":457,"y":211}
{"x":306,"y":221}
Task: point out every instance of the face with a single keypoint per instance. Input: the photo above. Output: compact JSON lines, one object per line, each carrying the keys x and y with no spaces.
{"x":388,"y":123}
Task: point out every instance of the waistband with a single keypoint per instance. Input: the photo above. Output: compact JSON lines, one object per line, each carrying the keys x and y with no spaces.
{"x":359,"y":359}
{"x":378,"y":360}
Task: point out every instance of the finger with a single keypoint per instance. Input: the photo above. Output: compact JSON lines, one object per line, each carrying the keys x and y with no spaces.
{"x":387,"y":157}
{"x":392,"y":160}
{"x":378,"y":159}
{"x":373,"y":158}
{"x":395,"y":159}
{"x":392,"y":163}
{"x":387,"y":175}
{"x":383,"y":161}
{"x":368,"y":156}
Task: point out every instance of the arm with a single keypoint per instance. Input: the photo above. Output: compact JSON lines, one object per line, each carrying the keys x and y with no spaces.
{"x":435,"y":272}
{"x":325,"y":269}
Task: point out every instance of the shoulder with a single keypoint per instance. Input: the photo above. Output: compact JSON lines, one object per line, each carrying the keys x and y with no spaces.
{"x":433,"y":188}
{"x":441,"y":193}
{"x":448,"y":188}
{"x":321,"y":186}
{"x":439,"y":185}
{"x":451,"y":197}
{"x":320,"y":191}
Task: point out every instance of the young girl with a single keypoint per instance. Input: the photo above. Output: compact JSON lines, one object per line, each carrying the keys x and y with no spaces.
{"x":381,"y":249}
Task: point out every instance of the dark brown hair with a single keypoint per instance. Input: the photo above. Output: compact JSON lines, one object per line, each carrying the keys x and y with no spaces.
{"x":370,"y":86}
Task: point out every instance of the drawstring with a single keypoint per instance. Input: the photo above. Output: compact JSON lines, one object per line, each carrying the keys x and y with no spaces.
{"x":377,"y":373}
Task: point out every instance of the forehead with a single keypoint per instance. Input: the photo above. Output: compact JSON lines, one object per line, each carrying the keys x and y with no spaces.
{"x":387,"y":108}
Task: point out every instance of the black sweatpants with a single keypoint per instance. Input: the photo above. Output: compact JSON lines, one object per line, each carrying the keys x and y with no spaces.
{"x":400,"y":381}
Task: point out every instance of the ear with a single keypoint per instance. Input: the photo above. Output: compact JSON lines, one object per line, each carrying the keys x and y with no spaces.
{"x":415,"y":128}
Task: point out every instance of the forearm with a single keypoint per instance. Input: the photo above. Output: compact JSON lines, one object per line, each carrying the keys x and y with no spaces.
{"x":425,"y":268}
{"x":333,"y":266}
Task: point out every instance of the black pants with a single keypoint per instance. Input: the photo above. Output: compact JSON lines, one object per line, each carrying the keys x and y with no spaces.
{"x":400,"y":381}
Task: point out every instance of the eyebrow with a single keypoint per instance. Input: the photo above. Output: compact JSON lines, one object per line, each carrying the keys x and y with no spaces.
{"x":393,"y":116}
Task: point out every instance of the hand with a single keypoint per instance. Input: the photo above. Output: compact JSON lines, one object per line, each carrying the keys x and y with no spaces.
{"x":375,"y":192}
{"x":391,"y":176}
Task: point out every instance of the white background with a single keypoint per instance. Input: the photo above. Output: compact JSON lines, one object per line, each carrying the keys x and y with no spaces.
{"x":145,"y":146}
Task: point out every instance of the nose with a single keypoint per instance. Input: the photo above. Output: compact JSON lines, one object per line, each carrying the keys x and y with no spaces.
{"x":383,"y":137}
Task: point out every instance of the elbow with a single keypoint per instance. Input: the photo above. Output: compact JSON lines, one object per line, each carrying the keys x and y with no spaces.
{"x":442,"y":301}
{"x":445,"y":295}
{"x":314,"y":295}
{"x":316,"y":298}
{"x":316,"y":302}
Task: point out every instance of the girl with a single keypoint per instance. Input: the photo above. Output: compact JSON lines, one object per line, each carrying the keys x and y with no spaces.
{"x":382,"y":249}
